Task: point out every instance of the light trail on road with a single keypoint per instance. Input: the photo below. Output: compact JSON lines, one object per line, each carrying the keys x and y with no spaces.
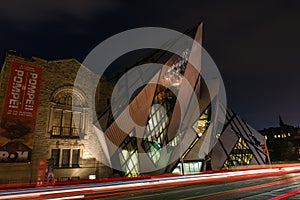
{"x":152,"y":185}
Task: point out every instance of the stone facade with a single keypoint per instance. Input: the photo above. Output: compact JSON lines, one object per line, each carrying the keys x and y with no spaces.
{"x":56,"y":91}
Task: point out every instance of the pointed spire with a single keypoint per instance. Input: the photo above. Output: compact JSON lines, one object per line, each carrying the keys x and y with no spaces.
{"x":281,"y":123}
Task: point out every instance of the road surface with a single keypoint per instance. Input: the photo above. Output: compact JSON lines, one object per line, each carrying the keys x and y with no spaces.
{"x":276,"y":183}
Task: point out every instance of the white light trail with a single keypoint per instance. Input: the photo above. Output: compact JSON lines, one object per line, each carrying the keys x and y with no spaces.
{"x":145,"y":182}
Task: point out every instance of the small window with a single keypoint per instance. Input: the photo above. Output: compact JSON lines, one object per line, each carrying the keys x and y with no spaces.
{"x":65,"y":158}
{"x":67,"y":123}
{"x":70,"y":158}
{"x":55,"y":155}
{"x":75,"y":157}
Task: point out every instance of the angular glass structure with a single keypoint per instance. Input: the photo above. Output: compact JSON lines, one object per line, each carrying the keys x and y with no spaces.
{"x":167,"y":140}
{"x":240,"y":155}
{"x":128,"y":156}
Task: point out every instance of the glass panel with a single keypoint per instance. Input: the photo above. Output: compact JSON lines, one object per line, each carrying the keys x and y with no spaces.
{"x":173,"y":76}
{"x":76,"y":120}
{"x":55,"y":155}
{"x":125,"y":154}
{"x":56,"y":130}
{"x":66,"y":131}
{"x":67,"y":123}
{"x":75,"y":158}
{"x":76,"y":123}
{"x":67,"y":116}
{"x":202,"y":124}
{"x":240,"y":155}
{"x":128,"y":156}
{"x":156,"y":131}
{"x":65,"y":157}
{"x":189,"y":167}
{"x":57,"y":117}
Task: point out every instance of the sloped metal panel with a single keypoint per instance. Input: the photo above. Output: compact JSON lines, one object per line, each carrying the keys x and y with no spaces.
{"x":139,"y":109}
{"x":218,"y":157}
{"x":192,"y":75}
{"x":200,"y":149}
{"x":227,"y":141}
{"x":242,"y":128}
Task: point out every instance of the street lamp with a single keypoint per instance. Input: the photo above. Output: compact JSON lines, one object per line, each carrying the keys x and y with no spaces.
{"x":267,"y":151}
{"x":181,"y":157}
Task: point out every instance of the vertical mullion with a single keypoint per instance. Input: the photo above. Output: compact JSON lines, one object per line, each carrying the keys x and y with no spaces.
{"x":71,"y":125}
{"x":61,"y":122}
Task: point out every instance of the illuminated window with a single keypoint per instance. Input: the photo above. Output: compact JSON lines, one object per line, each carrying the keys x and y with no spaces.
{"x":189,"y":167}
{"x":174,"y":75}
{"x":67,"y":123}
{"x":202,"y":124}
{"x":153,"y":150}
{"x":240,"y":155}
{"x":155,"y":135}
{"x":67,"y":120}
{"x":128,"y":156}
{"x":275,"y":136}
{"x":289,"y":134}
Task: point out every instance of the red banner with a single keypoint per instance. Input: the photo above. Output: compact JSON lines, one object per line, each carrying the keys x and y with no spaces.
{"x":19,"y":112}
{"x":41,"y":172}
{"x":45,"y":172}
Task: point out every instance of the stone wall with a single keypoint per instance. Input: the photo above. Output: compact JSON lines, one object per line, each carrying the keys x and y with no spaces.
{"x":58,"y":74}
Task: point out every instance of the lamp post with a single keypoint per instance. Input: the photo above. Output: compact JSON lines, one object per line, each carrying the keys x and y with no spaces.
{"x":267,"y":151}
{"x":181,"y":157}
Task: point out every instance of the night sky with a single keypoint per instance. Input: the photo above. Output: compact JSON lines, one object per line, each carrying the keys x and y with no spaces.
{"x":255,"y":44}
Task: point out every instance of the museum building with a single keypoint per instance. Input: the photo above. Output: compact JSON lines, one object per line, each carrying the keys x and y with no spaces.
{"x":45,"y":114}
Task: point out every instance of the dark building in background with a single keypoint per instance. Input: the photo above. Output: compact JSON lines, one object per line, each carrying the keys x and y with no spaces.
{"x":283,"y":142}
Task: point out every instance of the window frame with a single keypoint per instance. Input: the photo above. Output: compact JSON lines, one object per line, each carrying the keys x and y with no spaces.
{"x":67,"y":158}
{"x":60,"y":107}
{"x":71,"y":158}
{"x":56,"y":159}
{"x":76,"y":158}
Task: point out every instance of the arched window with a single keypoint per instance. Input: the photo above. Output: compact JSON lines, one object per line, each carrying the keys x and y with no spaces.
{"x":68,"y":113}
